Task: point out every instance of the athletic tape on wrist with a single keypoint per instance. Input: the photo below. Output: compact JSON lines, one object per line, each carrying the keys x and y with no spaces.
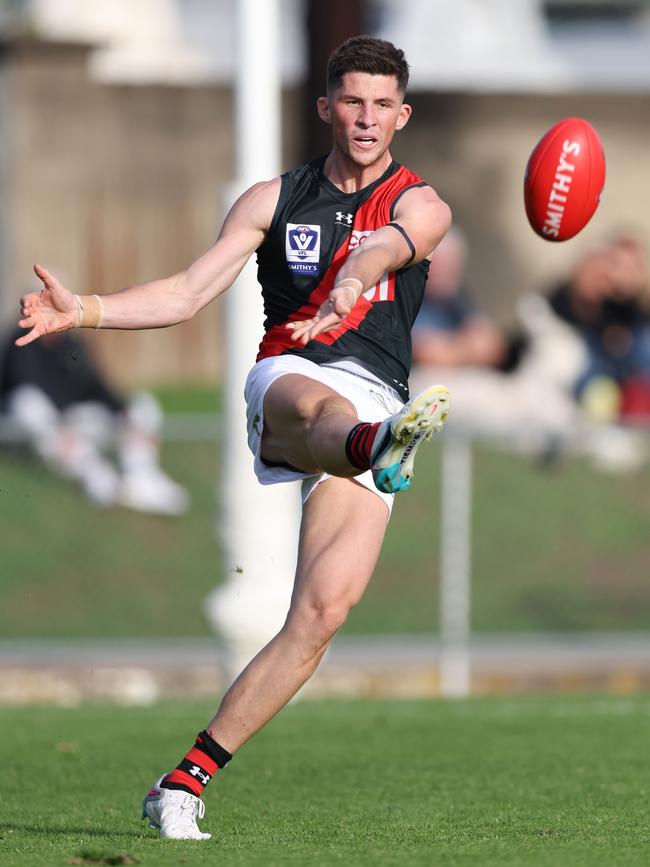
{"x":347,"y":282}
{"x":90,"y":311}
{"x":80,"y":311}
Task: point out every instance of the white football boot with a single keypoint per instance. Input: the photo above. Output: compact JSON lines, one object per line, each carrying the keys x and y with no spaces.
{"x":174,"y":813}
{"x":399,"y":436}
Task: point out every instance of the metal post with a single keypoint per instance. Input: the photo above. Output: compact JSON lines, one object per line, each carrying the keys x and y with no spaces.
{"x":257,"y":90}
{"x":455,"y":558}
{"x":257,"y":525}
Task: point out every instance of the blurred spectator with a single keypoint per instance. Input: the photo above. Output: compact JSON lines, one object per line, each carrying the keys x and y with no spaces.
{"x":606,"y":300}
{"x":603,"y":308}
{"x":83,"y":429}
{"x":583,"y":366}
{"x":450,"y":331}
{"x":457,"y":344}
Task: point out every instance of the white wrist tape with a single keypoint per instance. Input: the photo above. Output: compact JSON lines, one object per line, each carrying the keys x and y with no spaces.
{"x":80,"y":311}
{"x":351,"y":283}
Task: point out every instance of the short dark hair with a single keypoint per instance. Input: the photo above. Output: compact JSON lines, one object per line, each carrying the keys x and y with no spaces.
{"x":367,"y":54}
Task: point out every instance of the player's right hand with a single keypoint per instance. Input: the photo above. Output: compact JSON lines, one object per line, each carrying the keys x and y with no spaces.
{"x":330,"y":315}
{"x":48,"y":311}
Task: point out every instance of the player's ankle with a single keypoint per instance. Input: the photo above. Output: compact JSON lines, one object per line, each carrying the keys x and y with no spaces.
{"x":359,"y":443}
{"x":198,"y":766}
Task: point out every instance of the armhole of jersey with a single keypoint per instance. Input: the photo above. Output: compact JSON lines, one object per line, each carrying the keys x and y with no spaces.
{"x":401,"y":193}
{"x":422,"y":265}
{"x":283,"y":198}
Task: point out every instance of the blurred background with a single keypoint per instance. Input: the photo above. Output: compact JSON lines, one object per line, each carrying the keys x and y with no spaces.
{"x":521,"y":558}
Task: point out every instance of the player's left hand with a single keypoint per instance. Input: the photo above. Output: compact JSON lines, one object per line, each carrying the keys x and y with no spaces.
{"x":330,"y":315}
{"x":51,"y":310}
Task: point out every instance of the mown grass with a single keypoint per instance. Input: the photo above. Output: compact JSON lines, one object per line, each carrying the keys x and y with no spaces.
{"x":490,"y":781}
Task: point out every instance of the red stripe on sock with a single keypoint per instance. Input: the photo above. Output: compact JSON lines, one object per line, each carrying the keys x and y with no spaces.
{"x":186,"y":780}
{"x":360,"y":443}
{"x":366,"y":436}
{"x":359,"y":450}
{"x":203,"y":760}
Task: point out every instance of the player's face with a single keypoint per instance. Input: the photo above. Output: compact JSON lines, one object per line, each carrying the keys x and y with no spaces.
{"x":365,"y":112}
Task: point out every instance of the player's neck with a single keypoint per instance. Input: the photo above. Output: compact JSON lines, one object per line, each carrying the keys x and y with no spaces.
{"x":349,"y":176}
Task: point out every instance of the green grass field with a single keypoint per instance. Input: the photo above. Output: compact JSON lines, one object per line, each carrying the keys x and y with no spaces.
{"x":554,"y":549}
{"x":558,"y":782}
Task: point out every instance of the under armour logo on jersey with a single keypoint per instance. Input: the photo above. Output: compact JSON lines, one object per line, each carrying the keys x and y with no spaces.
{"x":344,"y":219}
{"x":197,"y":772}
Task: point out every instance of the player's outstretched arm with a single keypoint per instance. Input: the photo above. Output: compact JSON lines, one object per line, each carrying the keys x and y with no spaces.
{"x":158,"y":303}
{"x":421,"y":221}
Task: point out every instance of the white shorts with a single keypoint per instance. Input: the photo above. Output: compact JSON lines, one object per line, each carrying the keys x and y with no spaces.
{"x":372,"y":400}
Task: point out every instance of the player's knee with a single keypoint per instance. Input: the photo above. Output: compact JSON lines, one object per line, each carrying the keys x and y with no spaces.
{"x":332,"y":617}
{"x":323,"y":617}
{"x":332,"y":405}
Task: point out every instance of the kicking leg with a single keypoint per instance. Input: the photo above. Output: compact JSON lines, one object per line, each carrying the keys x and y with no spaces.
{"x":312,"y":427}
{"x":306,"y":424}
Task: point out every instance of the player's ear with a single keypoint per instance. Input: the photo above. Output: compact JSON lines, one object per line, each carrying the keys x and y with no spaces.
{"x":323,"y":106}
{"x":403,"y":116}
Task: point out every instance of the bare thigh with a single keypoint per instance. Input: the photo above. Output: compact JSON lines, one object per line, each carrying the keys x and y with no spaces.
{"x":306,"y":424}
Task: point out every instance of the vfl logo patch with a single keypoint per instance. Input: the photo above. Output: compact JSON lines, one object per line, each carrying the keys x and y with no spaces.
{"x":302,"y":247}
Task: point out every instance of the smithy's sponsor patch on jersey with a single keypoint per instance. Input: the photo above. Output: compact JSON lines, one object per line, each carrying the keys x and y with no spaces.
{"x":303,"y":248}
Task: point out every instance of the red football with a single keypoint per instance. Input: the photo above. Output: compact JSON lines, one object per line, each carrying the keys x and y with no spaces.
{"x":564,"y":179}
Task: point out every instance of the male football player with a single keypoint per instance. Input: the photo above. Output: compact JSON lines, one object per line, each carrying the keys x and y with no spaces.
{"x":342,"y":245}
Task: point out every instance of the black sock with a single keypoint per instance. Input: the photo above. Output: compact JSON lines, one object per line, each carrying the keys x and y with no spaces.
{"x":358,"y":446}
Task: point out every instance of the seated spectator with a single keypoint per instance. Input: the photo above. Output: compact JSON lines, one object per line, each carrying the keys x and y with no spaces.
{"x":455,"y":343}
{"x":542,"y":405}
{"x":450,"y":331}
{"x":586,"y":340}
{"x":632,"y":279}
{"x":605,"y":300}
{"x":76,"y":422}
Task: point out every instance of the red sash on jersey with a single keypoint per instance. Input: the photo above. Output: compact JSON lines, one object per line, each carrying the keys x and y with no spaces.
{"x":370,"y":216}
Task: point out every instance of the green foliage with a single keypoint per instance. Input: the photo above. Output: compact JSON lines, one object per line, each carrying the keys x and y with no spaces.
{"x":489,"y":782}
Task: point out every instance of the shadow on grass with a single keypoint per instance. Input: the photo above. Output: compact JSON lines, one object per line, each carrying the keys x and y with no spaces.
{"x":52,"y":831}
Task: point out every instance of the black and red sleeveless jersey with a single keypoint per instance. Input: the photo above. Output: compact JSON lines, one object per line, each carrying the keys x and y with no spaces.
{"x":314,"y":229}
